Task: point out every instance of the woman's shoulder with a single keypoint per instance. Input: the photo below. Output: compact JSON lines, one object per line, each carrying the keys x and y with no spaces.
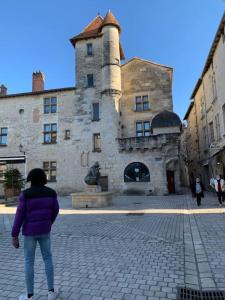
{"x":36,"y":192}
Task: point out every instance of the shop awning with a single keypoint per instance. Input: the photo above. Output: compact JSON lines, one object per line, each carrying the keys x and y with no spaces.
{"x":21,"y":159}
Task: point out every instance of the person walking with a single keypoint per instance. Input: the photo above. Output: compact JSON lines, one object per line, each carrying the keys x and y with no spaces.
{"x":219,"y":185}
{"x":192,"y":185}
{"x":198,"y":190}
{"x":36,"y":212}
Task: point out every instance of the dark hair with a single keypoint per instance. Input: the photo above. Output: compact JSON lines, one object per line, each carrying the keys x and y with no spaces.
{"x":37,"y":177}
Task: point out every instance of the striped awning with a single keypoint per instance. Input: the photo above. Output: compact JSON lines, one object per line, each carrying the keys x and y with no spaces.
{"x":13,"y":159}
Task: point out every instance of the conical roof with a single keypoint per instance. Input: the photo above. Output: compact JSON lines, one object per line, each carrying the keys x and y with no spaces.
{"x":110,"y":20}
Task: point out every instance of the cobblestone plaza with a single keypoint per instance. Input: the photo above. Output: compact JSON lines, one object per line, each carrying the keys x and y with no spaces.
{"x":140,"y":248}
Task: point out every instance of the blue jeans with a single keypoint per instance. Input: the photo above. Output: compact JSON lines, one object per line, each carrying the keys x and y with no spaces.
{"x":30,"y":243}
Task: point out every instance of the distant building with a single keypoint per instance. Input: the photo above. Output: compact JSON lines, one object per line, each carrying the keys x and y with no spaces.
{"x":119,"y":115}
{"x":205,"y":136}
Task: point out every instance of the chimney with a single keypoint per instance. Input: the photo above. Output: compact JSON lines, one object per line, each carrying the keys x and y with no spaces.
{"x":38,"y":80}
{"x":3,"y":90}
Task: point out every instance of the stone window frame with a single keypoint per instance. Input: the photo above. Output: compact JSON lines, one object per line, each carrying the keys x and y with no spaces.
{"x":97,"y":142}
{"x":95,"y":118}
{"x":3,"y":135}
{"x":217,"y":123}
{"x":50,"y":168}
{"x":211,"y":132}
{"x":90,"y":80}
{"x":50,"y":105}
{"x":214,"y":89}
{"x":89,"y":48}
{"x":67,"y":134}
{"x":51,"y":132}
{"x":140,"y":101}
{"x":202,"y":106}
{"x":205,"y":141}
{"x":142,"y":131}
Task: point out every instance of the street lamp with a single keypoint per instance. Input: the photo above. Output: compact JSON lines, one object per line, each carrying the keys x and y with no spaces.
{"x":21,"y":149}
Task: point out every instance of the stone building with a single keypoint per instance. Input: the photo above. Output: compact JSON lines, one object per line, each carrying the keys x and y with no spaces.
{"x":120,"y":115}
{"x":206,"y":115}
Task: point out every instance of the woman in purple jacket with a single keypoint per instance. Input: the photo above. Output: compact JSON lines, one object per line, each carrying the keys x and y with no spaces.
{"x":37,"y":210}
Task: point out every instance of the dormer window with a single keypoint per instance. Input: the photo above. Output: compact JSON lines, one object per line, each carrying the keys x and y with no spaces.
{"x":89,"y":49}
{"x":90,"y":80}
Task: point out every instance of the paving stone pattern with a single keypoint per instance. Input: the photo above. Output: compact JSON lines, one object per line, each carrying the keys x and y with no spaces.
{"x":120,"y":256}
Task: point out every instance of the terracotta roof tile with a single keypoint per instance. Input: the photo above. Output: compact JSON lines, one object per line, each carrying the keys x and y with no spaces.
{"x":95,"y":24}
{"x":110,"y":20}
{"x":91,"y":31}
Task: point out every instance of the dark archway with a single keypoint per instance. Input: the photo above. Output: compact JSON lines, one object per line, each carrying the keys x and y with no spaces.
{"x":136,"y":172}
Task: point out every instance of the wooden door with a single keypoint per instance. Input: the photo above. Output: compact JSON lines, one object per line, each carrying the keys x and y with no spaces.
{"x":170,"y":181}
{"x":103,"y":182}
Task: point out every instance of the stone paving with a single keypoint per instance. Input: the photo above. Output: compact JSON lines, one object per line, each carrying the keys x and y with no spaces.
{"x":140,"y":248}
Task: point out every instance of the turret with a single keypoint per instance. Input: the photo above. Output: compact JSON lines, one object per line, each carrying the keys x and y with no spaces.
{"x":111,"y":72}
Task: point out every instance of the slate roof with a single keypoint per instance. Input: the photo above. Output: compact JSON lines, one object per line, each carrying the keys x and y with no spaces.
{"x":165,"y":119}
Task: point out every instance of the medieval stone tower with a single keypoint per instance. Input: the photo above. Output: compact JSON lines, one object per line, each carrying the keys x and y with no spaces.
{"x":98,"y":83}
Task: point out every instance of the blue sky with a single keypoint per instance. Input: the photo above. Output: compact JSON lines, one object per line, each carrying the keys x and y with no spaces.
{"x":34,"y":35}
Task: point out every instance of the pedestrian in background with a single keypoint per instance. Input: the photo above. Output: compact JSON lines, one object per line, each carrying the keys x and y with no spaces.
{"x":198,"y":190}
{"x":212,"y":184}
{"x":220,"y":188}
{"x":192,"y":185}
{"x":36,"y":212}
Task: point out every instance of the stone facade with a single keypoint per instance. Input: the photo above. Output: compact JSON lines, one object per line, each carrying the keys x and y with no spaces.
{"x":206,"y":115}
{"x":103,"y":82}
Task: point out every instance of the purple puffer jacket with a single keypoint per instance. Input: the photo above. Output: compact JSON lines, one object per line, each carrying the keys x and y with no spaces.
{"x":37,"y":210}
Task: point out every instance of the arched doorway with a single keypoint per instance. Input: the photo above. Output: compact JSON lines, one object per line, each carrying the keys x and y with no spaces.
{"x":172,"y":174}
{"x":136,"y":172}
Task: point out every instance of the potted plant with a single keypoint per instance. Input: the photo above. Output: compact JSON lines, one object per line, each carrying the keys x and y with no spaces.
{"x":13,"y":183}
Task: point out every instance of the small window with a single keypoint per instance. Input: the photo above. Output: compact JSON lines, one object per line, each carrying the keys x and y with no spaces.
{"x":96,"y":142}
{"x":89,"y":49}
{"x":95,"y":112}
{"x":90,"y":80}
{"x":67,"y":134}
{"x":49,"y":168}
{"x":142,"y":128}
{"x":141,"y":103}
{"x":3,"y":136}
{"x":50,"y":105}
{"x":50,"y":133}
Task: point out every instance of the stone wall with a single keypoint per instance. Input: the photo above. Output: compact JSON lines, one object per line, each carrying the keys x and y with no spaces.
{"x":140,"y":78}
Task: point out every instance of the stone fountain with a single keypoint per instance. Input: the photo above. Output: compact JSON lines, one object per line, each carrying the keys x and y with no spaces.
{"x":93,"y":196}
